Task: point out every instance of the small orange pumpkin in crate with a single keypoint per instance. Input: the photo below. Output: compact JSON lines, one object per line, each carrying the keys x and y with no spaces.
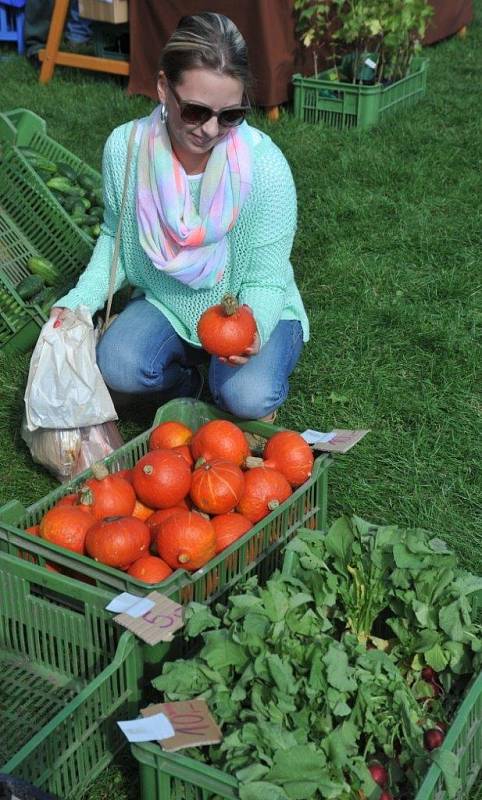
{"x":228,"y":528}
{"x":220,"y":438}
{"x":156,"y":520}
{"x":161,"y":478}
{"x":169,"y":434}
{"x":185,"y":451}
{"x":287,"y":452}
{"x":125,"y":473}
{"x":118,"y":541}
{"x":67,"y":527}
{"x":142,"y":512}
{"x":149,"y":569}
{"x":107,"y":495}
{"x":186,"y":541}
{"x":217,"y":486}
{"x":265,"y":489}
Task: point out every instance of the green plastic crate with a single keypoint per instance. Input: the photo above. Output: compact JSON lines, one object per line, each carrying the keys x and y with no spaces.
{"x":22,"y":128}
{"x":32,"y":223}
{"x":174,"y":776}
{"x":347,"y":105}
{"x":19,"y":323}
{"x":258,"y":551}
{"x":68,"y":674}
{"x":21,"y":320}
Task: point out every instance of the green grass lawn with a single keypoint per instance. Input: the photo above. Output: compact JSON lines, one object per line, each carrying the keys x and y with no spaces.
{"x":387,"y":257}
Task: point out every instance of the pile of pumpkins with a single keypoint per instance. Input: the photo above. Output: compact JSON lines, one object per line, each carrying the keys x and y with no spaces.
{"x":192,"y":495}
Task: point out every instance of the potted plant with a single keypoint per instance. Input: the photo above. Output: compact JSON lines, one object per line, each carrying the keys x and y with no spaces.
{"x":373,"y":47}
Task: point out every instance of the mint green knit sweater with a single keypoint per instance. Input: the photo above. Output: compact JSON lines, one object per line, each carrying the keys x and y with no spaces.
{"x":258,"y":273}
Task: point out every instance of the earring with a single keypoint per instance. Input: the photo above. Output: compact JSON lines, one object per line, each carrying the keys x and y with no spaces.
{"x":163,"y":112}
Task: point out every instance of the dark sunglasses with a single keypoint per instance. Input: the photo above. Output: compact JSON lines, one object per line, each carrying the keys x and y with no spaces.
{"x":197,"y":114}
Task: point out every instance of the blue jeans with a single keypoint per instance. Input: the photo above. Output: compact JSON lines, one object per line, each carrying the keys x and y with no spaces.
{"x":142,"y":353}
{"x":78,"y":29}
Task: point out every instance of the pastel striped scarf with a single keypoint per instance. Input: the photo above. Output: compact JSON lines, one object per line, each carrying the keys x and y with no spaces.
{"x":183,"y":243}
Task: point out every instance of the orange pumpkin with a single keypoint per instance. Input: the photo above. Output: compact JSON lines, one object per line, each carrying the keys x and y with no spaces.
{"x":169,"y":434}
{"x":53,"y":567}
{"x":72,"y":500}
{"x":68,"y":500}
{"x":217,"y":486}
{"x":265,"y":489}
{"x":107,"y":495}
{"x":141,"y":511}
{"x":185,"y":452}
{"x":186,"y":540}
{"x":67,"y":527}
{"x":288,"y":452}
{"x":118,"y":541}
{"x":220,"y":438}
{"x":228,"y":528}
{"x":125,"y":473}
{"x":149,"y":569}
{"x":227,"y":329}
{"x":161,"y":478}
{"x":155,"y":521}
{"x":34,"y":530}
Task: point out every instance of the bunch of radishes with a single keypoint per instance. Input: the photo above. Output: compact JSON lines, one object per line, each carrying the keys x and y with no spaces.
{"x":432,"y":738}
{"x":380,"y":776}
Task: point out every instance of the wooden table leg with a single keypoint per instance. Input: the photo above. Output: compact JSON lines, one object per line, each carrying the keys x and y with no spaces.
{"x":272,"y":112}
{"x":57,"y":23}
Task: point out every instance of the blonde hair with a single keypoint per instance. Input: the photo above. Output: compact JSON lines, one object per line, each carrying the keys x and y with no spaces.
{"x":209,"y":41}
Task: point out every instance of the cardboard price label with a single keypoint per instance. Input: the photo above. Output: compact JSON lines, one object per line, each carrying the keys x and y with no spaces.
{"x":192,"y":721}
{"x":342,"y":441}
{"x":158,"y":624}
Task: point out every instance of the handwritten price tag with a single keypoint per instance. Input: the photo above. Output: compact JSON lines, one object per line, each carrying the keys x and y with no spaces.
{"x":158,"y":624}
{"x":192,"y":721}
{"x":341,"y":441}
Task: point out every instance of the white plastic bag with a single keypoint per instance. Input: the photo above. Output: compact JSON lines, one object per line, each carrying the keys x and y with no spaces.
{"x":65,"y":388}
{"x":69,"y":413}
{"x":68,"y":452}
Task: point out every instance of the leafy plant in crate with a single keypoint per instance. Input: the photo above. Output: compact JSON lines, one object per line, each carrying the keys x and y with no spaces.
{"x":371,"y":41}
{"x":314,"y":705}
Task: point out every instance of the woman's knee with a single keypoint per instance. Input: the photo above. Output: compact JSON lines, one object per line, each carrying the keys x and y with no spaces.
{"x":248,"y":401}
{"x":120,"y":369}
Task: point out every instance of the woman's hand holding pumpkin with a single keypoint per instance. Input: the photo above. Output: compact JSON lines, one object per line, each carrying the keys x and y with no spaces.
{"x":238,"y":361}
{"x":228,"y":331}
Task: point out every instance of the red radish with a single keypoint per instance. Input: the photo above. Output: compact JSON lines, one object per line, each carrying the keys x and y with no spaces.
{"x":433,"y":739}
{"x":379,"y":774}
{"x":386,"y":796}
{"x":429,"y":675}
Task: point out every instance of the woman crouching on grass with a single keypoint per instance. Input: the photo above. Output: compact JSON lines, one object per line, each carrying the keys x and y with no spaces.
{"x":210,"y":209}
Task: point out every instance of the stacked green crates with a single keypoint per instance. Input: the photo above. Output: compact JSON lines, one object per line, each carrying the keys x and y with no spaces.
{"x":68,"y":674}
{"x":33,"y":224}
